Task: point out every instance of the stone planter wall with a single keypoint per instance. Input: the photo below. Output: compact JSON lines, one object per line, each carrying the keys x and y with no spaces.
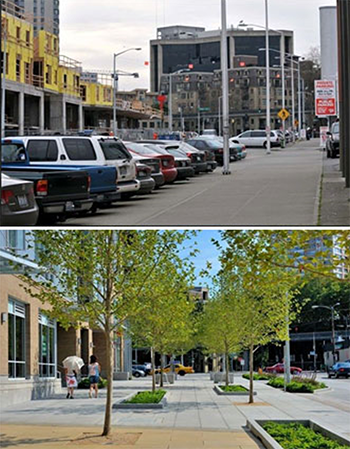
{"x":121,"y":405}
{"x":218,"y":390}
{"x":221,"y":377}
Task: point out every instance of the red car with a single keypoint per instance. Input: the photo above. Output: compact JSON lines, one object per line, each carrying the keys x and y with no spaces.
{"x":279,"y":369}
{"x":167,"y":161}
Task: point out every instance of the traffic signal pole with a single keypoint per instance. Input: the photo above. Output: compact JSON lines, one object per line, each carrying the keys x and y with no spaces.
{"x":225,"y":89}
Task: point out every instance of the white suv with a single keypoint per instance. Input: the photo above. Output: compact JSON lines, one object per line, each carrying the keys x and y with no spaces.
{"x":89,"y":151}
{"x":257,"y":138}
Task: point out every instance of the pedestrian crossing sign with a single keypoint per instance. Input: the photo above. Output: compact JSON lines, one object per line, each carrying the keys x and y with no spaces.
{"x":283,"y":114}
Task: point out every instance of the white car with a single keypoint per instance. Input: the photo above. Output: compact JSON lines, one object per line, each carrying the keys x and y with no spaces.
{"x":257,"y":138}
{"x":85,"y":151}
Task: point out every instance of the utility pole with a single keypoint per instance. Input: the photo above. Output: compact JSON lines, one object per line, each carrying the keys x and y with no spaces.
{"x":170,"y":103}
{"x":225,"y":89}
{"x":268,"y":93}
{"x":287,"y":376}
{"x":283,"y":57}
{"x":293,"y":101}
{"x":299,"y":100}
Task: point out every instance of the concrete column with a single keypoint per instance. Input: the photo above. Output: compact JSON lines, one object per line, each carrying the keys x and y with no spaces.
{"x":64,"y":116}
{"x":21,"y":113}
{"x":81,"y":118}
{"x":41,"y":113}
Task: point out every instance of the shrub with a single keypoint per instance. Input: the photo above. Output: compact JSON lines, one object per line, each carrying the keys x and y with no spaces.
{"x":259,"y":376}
{"x":276,"y":382}
{"x":233,"y":388}
{"x":84,"y":384}
{"x":147,"y":397}
{"x":295,"y":435}
{"x":299,"y":387}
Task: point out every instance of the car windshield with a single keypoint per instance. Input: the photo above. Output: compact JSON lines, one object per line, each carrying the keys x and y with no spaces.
{"x":186,"y":147}
{"x":114,"y":150}
{"x":214,"y":144}
{"x":12,"y":152}
{"x":336,"y":128}
{"x":157,"y":148}
{"x":176,"y":153}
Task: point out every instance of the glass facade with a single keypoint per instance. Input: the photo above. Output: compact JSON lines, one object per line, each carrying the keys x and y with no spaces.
{"x":16,"y":340}
{"x":47,"y":346}
{"x":204,"y":57}
{"x":250,"y":45}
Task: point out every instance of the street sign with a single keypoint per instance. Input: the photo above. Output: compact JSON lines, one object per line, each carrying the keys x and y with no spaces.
{"x":204,"y":109}
{"x":283,"y":114}
{"x":325,"y":98}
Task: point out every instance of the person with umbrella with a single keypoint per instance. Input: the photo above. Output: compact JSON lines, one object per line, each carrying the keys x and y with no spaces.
{"x":72,"y":366}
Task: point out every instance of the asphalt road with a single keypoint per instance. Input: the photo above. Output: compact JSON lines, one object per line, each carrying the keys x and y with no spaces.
{"x":338,"y":396}
{"x":278,"y":189}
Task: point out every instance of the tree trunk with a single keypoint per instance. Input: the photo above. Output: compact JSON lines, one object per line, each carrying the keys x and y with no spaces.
{"x":153,"y":370}
{"x":227,"y":370}
{"x":251,"y":374}
{"x":109,"y":370}
{"x":161,"y":384}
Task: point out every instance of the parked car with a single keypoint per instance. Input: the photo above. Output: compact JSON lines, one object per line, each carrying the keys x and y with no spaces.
{"x":236,"y":149}
{"x":153,"y":163}
{"x":279,"y":369}
{"x":211,"y":150}
{"x":182,"y":162}
{"x":86,"y":151}
{"x":257,"y":138}
{"x":181,"y":370}
{"x":146,"y":368}
{"x":340,"y":369}
{"x":198,"y":158}
{"x":209,"y":132}
{"x":147,"y":183}
{"x":332,"y":143}
{"x":138,"y":372}
{"x":18,"y":205}
{"x":167,"y":161}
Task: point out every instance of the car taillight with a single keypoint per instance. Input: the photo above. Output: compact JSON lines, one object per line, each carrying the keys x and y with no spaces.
{"x":221,"y":151}
{"x":42,"y":187}
{"x":6,"y":196}
{"x":189,"y":154}
{"x":342,"y":369}
{"x":89,"y":183}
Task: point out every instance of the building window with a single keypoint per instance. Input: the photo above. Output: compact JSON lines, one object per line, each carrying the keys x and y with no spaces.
{"x":18,"y":67}
{"x":27,"y":38}
{"x":7,"y":63}
{"x":27,"y":72}
{"x":47,"y":346}
{"x":48,"y":74}
{"x":97,"y":94}
{"x":18,"y":33}
{"x":65,"y":81}
{"x":16,"y":340}
{"x":16,"y":240}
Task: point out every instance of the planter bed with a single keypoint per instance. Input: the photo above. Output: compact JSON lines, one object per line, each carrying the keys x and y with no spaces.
{"x":258,"y":377}
{"x":296,"y":387}
{"x":233,"y":390}
{"x":143,"y":400}
{"x":300,"y":434}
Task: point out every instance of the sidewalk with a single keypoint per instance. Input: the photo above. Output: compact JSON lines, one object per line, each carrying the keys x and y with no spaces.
{"x":133,"y":438}
{"x":192,"y":406}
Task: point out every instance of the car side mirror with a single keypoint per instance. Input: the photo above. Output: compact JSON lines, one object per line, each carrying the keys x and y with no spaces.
{"x":329,"y":133}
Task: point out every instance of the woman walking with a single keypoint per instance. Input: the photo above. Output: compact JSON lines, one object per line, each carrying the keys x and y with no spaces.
{"x":94,"y":375}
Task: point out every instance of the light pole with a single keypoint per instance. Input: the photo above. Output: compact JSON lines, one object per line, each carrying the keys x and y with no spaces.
{"x":332,"y":309}
{"x":225,"y":89}
{"x":115,"y":85}
{"x":219,"y":107}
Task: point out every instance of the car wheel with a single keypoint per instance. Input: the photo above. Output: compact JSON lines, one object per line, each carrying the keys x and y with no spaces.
{"x":181,"y":373}
{"x":336,"y":376}
{"x":137,"y":375}
{"x":295,"y":373}
{"x":329,"y":376}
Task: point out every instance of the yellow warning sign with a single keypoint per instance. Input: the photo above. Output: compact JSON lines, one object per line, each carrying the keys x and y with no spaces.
{"x":283,"y":114}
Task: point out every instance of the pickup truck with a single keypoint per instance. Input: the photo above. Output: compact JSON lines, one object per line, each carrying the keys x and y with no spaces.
{"x":103,"y":180}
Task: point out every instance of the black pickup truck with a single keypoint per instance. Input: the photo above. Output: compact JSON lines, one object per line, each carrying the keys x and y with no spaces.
{"x":58,"y":193}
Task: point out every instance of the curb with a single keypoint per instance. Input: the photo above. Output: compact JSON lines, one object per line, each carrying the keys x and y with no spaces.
{"x":220,"y":392}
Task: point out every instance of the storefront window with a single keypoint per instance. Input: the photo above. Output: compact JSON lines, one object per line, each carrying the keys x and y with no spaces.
{"x":47,"y":346}
{"x":16,"y":340}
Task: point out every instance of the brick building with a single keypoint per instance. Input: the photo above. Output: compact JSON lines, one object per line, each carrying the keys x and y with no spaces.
{"x":33,"y":344}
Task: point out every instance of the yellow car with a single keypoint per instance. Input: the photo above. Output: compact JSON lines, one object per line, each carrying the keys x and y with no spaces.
{"x":179,"y":369}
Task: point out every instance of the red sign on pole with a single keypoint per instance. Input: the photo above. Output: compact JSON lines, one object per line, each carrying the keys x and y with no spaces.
{"x":325,"y":97}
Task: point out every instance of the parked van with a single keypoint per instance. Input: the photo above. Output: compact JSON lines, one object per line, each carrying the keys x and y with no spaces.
{"x":257,"y":138}
{"x":100,"y":151}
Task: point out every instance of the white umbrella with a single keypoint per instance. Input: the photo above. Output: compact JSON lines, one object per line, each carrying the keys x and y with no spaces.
{"x":73,"y":363}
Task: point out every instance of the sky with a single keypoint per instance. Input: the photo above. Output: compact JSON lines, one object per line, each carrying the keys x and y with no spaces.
{"x":92,"y":30}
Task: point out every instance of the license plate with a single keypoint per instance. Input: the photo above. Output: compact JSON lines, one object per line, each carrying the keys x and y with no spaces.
{"x":22,"y":201}
{"x":123,"y":170}
{"x":70,"y":206}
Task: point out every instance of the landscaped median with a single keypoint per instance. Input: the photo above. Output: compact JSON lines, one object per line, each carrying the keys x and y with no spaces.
{"x":143,"y":400}
{"x":298,"y":384}
{"x":232,"y":390}
{"x":296,"y":435}
{"x":259,"y":377}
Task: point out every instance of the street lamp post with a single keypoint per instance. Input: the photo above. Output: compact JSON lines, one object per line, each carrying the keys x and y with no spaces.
{"x":115,"y":85}
{"x":268,"y":93}
{"x":225,"y":89}
{"x":332,"y":309}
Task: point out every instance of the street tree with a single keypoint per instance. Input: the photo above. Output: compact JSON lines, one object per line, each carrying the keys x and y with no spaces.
{"x":99,"y":277}
{"x":165,"y":323}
